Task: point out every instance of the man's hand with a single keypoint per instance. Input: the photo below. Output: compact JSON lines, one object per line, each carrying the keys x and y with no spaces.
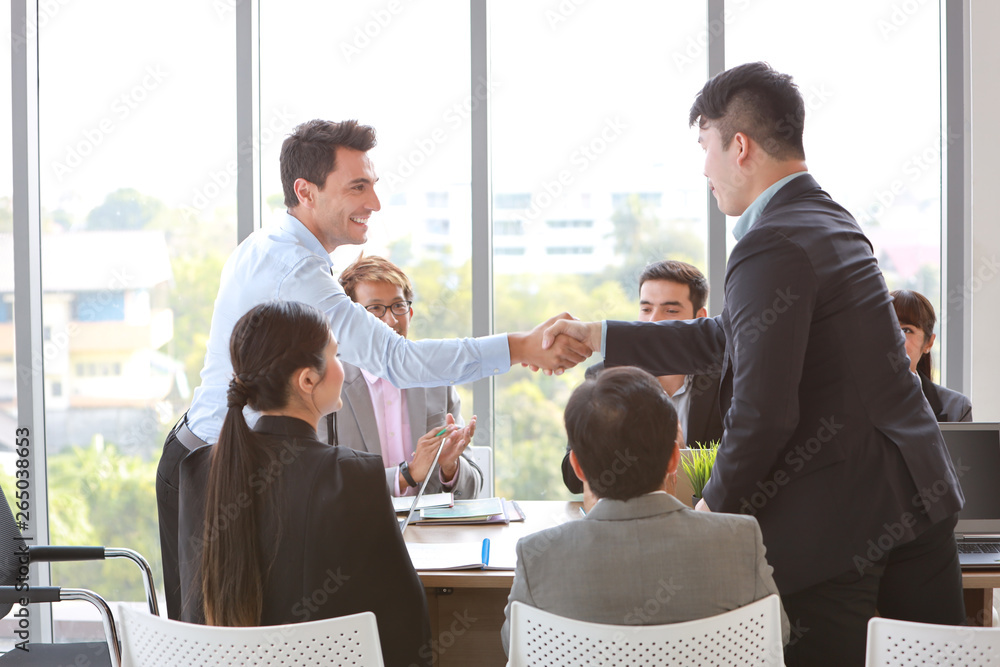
{"x":527,"y":348}
{"x":456,"y":440}
{"x":454,"y":446}
{"x":587,"y":333}
{"x":426,"y":448}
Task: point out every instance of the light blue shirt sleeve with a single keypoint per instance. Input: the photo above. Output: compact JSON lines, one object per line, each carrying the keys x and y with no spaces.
{"x":604,"y":337}
{"x":286,"y":261}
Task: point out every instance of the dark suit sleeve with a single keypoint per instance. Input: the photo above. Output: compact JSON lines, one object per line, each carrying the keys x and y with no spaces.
{"x":669,"y":347}
{"x":770,"y":297}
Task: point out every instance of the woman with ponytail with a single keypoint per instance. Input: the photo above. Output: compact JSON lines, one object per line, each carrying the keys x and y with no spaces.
{"x":278,"y":527}
{"x":917,"y":319}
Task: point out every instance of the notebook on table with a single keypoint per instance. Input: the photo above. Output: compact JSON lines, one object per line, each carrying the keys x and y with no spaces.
{"x":975,"y":451}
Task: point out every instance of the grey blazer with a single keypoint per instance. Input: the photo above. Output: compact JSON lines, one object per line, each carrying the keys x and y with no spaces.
{"x":646,"y":561}
{"x":426,"y":406}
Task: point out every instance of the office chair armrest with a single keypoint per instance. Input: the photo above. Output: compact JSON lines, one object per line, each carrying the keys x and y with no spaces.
{"x":33,"y":594}
{"x":51,"y":554}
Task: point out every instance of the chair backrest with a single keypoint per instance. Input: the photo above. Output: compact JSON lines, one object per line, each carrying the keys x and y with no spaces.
{"x":892,"y":643}
{"x":750,"y":635}
{"x":483,"y":456}
{"x":153,"y":641}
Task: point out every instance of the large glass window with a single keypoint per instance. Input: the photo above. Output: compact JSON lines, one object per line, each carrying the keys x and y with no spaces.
{"x":870,"y":75}
{"x":402,"y":68}
{"x":137,"y":155}
{"x":595,"y":174}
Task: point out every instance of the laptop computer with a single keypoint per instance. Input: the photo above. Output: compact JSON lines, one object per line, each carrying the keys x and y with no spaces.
{"x":975,"y":451}
{"x":420,"y":492}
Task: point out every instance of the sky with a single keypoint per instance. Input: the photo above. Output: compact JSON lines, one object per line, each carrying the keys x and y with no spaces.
{"x":142,"y":95}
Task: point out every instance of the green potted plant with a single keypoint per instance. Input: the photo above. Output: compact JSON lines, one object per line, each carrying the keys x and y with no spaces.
{"x":698,"y":467}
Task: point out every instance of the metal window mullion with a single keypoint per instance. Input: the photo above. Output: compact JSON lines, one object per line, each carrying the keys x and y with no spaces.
{"x":29,"y":359}
{"x":716,"y":219}
{"x":248,"y":186}
{"x":956,"y":200}
{"x":482,"y":212}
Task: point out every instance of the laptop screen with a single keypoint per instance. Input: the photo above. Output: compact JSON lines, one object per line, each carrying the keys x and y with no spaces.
{"x":975,"y":451}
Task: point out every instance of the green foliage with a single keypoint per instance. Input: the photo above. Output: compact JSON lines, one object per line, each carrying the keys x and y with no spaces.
{"x":699,"y":468}
{"x":125,"y":208}
{"x":101,"y":497}
{"x":196,"y":283}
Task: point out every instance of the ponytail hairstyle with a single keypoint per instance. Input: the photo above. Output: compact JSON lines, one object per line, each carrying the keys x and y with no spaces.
{"x":914,"y":309}
{"x":268,"y":345}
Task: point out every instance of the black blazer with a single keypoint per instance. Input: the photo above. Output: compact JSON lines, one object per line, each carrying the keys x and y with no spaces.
{"x":330,"y":528}
{"x":704,"y":418}
{"x":828,"y":440}
{"x":947,"y":405}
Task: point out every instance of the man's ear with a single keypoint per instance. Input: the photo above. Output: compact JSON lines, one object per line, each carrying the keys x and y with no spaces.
{"x":741,"y":144}
{"x":575,"y":463}
{"x":675,"y":460}
{"x":305,"y":191}
{"x":702,"y":312}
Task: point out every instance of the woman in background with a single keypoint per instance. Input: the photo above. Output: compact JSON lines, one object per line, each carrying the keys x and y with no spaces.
{"x":277,"y":527}
{"x":917,"y":319}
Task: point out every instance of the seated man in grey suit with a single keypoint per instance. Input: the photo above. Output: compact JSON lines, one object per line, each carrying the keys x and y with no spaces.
{"x":640,"y":557}
{"x":672,"y":290}
{"x":402,"y":426}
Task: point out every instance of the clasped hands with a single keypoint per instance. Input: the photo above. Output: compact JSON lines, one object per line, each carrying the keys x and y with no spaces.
{"x":456,"y":440}
{"x":555,"y":345}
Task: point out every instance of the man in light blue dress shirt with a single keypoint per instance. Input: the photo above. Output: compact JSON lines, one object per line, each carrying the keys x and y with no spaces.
{"x":328,"y":183}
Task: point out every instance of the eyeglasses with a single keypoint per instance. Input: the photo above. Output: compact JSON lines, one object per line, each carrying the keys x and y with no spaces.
{"x":398,"y":309}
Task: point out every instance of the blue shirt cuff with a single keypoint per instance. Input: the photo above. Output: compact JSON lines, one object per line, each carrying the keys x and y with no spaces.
{"x":495,"y":351}
{"x":604,"y":338}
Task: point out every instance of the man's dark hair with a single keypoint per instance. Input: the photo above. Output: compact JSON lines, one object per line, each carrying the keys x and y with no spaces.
{"x":310,"y":152}
{"x":682,"y":273}
{"x":756,"y":100}
{"x":622,"y":428}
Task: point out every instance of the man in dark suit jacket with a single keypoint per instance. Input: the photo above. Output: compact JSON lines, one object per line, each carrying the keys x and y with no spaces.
{"x":828,"y":441}
{"x":672,"y":290}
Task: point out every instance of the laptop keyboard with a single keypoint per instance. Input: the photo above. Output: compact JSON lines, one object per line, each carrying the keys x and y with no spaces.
{"x":978,"y":548}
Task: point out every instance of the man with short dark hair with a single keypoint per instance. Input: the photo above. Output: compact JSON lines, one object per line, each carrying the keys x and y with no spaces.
{"x":674,"y":290}
{"x":380,"y":418}
{"x":329,"y":186}
{"x":637,"y":541}
{"x":828,"y":441}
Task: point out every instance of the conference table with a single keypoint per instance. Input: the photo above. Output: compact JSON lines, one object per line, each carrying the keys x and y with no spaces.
{"x":467,"y":606}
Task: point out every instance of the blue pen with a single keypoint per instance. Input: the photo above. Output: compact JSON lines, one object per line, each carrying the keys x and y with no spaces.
{"x":486,"y":551}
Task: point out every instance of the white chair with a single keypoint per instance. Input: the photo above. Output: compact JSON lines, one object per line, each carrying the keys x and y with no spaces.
{"x":750,"y":635}
{"x":483,"y":456}
{"x":892,"y":643}
{"x":153,"y":641}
